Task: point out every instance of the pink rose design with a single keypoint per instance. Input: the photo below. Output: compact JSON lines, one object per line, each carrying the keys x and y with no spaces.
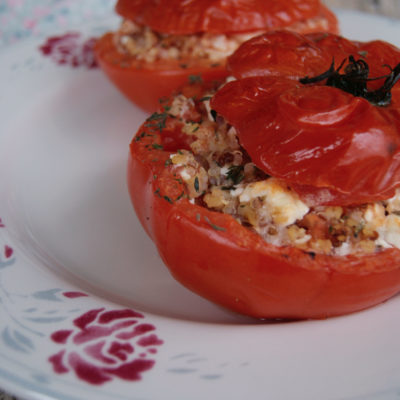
{"x":106,"y":344}
{"x":70,"y":49}
{"x":8,"y":251}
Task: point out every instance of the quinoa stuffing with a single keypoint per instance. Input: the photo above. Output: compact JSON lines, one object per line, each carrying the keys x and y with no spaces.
{"x":218,"y":174}
{"x":148,"y":46}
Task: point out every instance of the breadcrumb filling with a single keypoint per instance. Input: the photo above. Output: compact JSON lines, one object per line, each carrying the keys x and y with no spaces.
{"x":150,"y":46}
{"x":219,"y":175}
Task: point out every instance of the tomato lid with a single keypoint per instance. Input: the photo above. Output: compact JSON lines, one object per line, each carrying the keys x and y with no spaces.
{"x":216,"y":16}
{"x":285,"y":53}
{"x":332,"y":146}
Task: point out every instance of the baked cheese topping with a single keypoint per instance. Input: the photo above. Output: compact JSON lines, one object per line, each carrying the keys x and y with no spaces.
{"x":218,"y":174}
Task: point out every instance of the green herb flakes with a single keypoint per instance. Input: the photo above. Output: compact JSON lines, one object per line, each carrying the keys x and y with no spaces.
{"x":168,"y":199}
{"x":235,"y":174}
{"x":195,"y":79}
{"x":139,"y":137}
{"x":215,"y":227}
{"x":157,"y":121}
{"x":180,"y":196}
{"x":196,"y":184}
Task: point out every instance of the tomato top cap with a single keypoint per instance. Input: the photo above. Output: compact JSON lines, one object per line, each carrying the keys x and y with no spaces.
{"x":182,"y":17}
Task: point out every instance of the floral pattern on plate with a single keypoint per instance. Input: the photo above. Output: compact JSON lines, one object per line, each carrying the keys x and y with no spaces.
{"x":21,"y":19}
{"x":101,"y":344}
{"x":106,"y":344}
{"x":70,"y":49}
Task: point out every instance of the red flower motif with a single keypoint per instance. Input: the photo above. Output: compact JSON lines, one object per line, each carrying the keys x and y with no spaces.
{"x":70,"y":49}
{"x":74,"y":295}
{"x":8,"y":251}
{"x":106,"y":344}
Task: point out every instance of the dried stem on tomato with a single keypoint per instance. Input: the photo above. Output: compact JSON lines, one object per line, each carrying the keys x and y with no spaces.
{"x":355,"y":78}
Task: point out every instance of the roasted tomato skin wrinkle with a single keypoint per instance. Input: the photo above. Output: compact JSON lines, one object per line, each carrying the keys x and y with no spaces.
{"x":272,"y":55}
{"x":213,"y":255}
{"x":333,"y":148}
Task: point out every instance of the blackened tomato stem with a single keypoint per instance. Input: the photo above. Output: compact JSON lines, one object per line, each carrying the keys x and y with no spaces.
{"x":354,"y":80}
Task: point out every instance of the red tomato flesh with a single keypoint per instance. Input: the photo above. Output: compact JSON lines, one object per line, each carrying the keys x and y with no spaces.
{"x":146,"y":85}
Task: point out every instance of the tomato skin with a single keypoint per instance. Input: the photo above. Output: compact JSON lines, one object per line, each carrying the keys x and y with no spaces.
{"x":255,"y":279}
{"x":295,"y":55}
{"x":332,"y":23}
{"x":289,"y":54}
{"x":146,"y":85}
{"x":217,"y":16}
{"x":213,"y":255}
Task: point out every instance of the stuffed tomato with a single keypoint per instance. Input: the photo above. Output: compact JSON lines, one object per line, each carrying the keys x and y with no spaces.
{"x":160,"y":44}
{"x":278,"y":195}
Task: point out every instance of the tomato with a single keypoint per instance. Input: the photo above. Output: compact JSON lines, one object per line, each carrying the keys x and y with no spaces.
{"x":289,"y":54}
{"x":213,"y":255}
{"x":331,"y":146}
{"x":296,"y":55}
{"x":145,"y":83}
{"x":215,"y":16}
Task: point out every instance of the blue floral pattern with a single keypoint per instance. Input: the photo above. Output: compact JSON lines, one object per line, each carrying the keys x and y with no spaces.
{"x":20,"y":19}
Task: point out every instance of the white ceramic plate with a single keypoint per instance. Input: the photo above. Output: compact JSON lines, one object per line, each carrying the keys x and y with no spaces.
{"x":87,"y":309}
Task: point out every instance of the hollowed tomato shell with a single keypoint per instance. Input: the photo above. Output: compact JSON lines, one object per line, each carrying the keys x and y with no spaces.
{"x":214,"y":256}
{"x":145,"y":86}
